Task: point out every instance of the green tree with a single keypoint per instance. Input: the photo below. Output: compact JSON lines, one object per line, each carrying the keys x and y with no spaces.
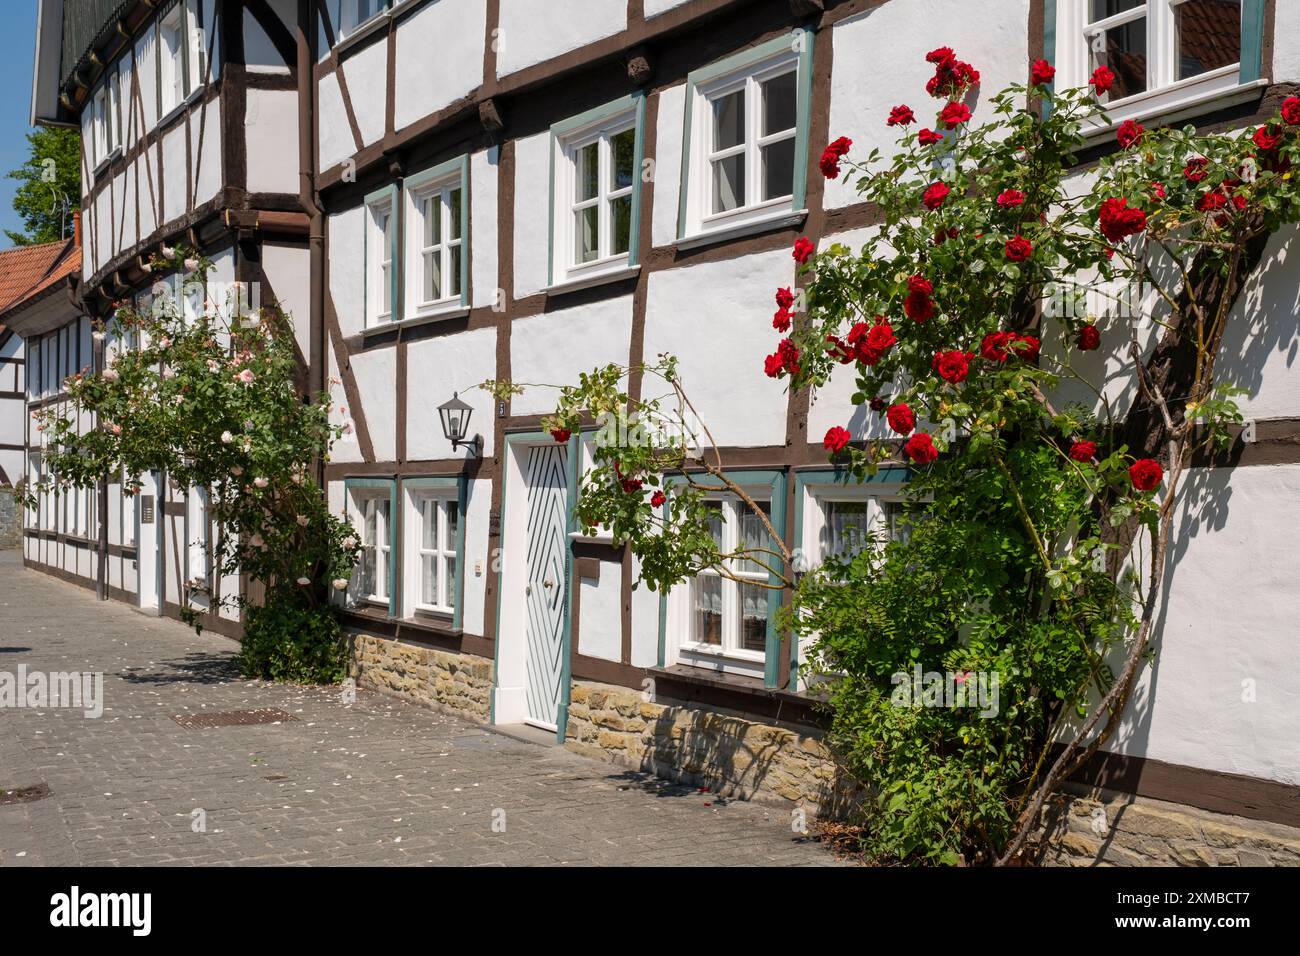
{"x":49,"y":177}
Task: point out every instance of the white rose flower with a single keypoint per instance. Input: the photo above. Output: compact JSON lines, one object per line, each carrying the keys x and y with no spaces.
{"x":236,"y":471}
{"x":303,"y":521}
{"x":227,"y":438}
{"x":340,"y":584}
{"x":349,"y":543}
{"x":304,"y":581}
{"x":260,"y":482}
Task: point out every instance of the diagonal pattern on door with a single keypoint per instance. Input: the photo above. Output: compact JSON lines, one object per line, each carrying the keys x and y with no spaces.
{"x":547,"y":582}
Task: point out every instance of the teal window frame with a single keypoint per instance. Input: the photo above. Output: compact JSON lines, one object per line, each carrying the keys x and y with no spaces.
{"x":453,"y":170}
{"x":391,"y":194}
{"x":352,"y":485}
{"x":775,"y":482}
{"x":1251,"y":64}
{"x":634,"y":103}
{"x":460,"y":485}
{"x":799,"y":42}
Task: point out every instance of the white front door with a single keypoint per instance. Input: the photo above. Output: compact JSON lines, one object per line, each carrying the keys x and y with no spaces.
{"x":545,"y":582}
{"x":148,"y":509}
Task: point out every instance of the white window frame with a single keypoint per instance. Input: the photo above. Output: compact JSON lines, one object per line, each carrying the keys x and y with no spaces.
{"x":601,"y":132}
{"x":697,"y":218}
{"x":198,"y":538}
{"x":365,"y":502}
{"x":171,"y":57}
{"x":587,"y":462}
{"x":1165,"y":93}
{"x":443,"y":553}
{"x":439,"y":191}
{"x":817,"y":496}
{"x":353,"y":15}
{"x":196,"y":50}
{"x":730,"y":655}
{"x":380,"y":260}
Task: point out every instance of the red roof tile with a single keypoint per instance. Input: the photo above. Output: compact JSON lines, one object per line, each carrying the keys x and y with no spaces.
{"x":26,"y":271}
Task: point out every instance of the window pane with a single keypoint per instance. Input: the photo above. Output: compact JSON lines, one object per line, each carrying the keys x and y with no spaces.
{"x":846,"y":532}
{"x":729,"y":183}
{"x":753,"y":535}
{"x":432,"y":221}
{"x":623,"y":159}
{"x":449,"y":599}
{"x":453,"y":278}
{"x":588,"y":161}
{"x":896,"y":520}
{"x":1209,"y":35}
{"x":779,"y":100}
{"x":429,"y":579}
{"x":729,"y":120}
{"x":1124,"y":50}
{"x":708,"y":609}
{"x":715,"y":522}
{"x":778,"y":169}
{"x":453,"y":522}
{"x":455,"y":214}
{"x":620,"y":216}
{"x":429,"y":512}
{"x":1101,"y":9}
{"x":587,"y":235}
{"x":753,"y":617}
{"x":432,"y":276}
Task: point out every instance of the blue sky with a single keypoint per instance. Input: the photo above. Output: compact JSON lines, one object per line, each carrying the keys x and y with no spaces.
{"x":17,"y":43}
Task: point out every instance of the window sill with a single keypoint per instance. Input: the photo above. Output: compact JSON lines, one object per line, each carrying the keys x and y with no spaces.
{"x":180,"y":107}
{"x":713,"y":652}
{"x":433,"y":315}
{"x":358,"y":36}
{"x":752,"y":227}
{"x":106,"y":162}
{"x":1168,"y":107}
{"x":579,"y":538}
{"x":595,"y":279}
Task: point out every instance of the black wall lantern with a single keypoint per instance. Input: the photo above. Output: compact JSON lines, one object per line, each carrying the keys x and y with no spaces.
{"x":455,"y":425}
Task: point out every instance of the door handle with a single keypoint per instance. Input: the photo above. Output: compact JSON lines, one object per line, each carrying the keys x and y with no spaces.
{"x":548,"y":584}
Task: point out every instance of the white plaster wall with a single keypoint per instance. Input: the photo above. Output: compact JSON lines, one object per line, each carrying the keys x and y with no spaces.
{"x":483,"y":180}
{"x":600,"y":619}
{"x":717,"y":319}
{"x":426,"y":84}
{"x":1229,"y":617}
{"x":346,"y":255}
{"x":348,"y":447}
{"x":130,"y":189}
{"x":435,"y":368}
{"x":288,"y":270}
{"x":654,"y":8}
{"x":645,"y":621}
{"x":532,"y":213}
{"x":173,"y":163}
{"x":104,"y":227}
{"x":147,"y":176}
{"x":555,"y":347}
{"x":271,"y":121}
{"x":336,"y":142}
{"x":366,"y":74}
{"x":880,"y":62}
{"x":376,"y":375}
{"x":1286,"y":42}
{"x":146,"y":73}
{"x":478,"y":562}
{"x":533,"y":31}
{"x":205,"y":137}
{"x":668,"y":165}
{"x":259,"y":52}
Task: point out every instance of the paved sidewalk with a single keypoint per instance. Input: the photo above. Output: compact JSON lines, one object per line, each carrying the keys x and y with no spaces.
{"x":375,"y":782}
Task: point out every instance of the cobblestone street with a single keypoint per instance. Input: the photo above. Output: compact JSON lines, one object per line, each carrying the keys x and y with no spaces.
{"x":374,"y":782}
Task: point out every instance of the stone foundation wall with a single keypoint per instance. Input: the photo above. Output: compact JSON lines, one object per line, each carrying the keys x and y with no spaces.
{"x":461,"y":683}
{"x":731,"y":754}
{"x":11,"y":519}
{"x":1123,"y":830}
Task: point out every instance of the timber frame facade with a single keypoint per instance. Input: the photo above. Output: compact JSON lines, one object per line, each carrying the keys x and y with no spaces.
{"x":443,"y":192}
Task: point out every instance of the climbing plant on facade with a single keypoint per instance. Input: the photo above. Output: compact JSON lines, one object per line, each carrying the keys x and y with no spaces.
{"x":1043,"y":480}
{"x":199,"y":388}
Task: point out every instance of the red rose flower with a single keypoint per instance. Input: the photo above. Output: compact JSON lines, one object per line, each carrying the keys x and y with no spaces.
{"x":1118,"y":220}
{"x":841,"y":145}
{"x":900,"y":418}
{"x":1291,"y":110}
{"x":995,"y":346}
{"x":918,"y":307}
{"x":942,"y":235}
{"x":920,"y":448}
{"x":928,"y":137}
{"x":1146,"y":474}
{"x":1027,"y":346}
{"x":1103,"y":78}
{"x":900,"y":116}
{"x":1211,"y":200}
{"x":954,"y":114}
{"x":1267,"y":139}
{"x":561,"y":435}
{"x":943,"y":55}
{"x":952,"y":366}
{"x":877,"y":403}
{"x":1010,"y":198}
{"x":657,"y":499}
{"x":935,"y":195}
{"x":773,"y":366}
{"x":781,"y":320}
{"x":919,"y":283}
{"x":1130,"y":133}
{"x":1083,"y":450}
{"x":1089,"y":338}
{"x":1018,"y":249}
{"x":1041,"y":73}
{"x":632,"y":485}
{"x":879,"y":338}
{"x":784,"y":298}
{"x":1195,"y":170}
{"x":789,"y":356}
{"x":1158,"y":190}
{"x":836,"y":439}
{"x":803,"y":249}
